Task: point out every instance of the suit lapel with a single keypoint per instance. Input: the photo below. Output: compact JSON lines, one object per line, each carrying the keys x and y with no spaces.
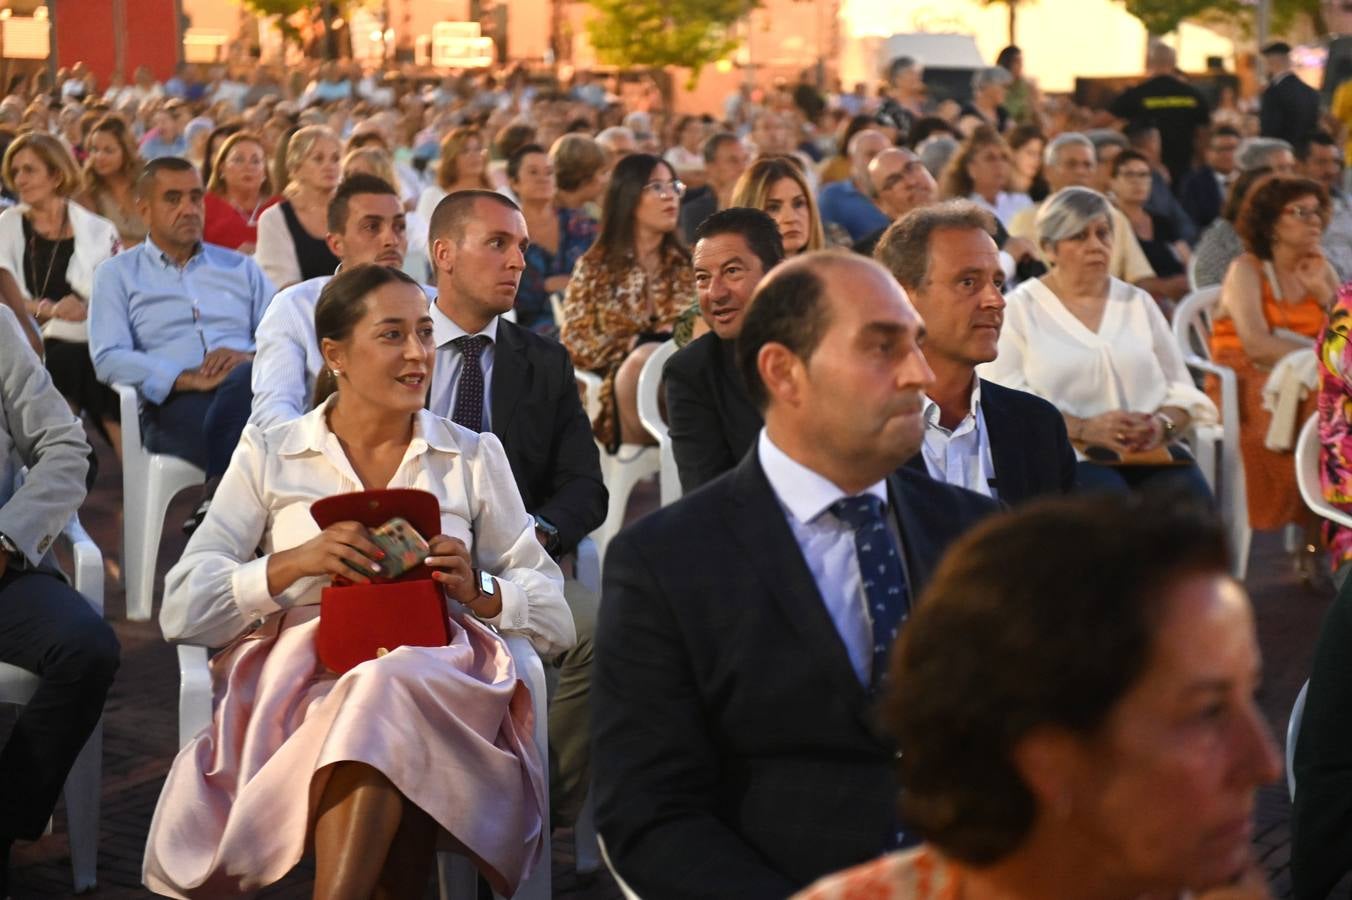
{"x":1005,"y":445}
{"x":510,"y":366}
{"x":768,"y":545}
{"x":916,"y":544}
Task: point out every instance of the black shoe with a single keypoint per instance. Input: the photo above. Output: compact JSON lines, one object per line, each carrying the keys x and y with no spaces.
{"x":190,"y":525}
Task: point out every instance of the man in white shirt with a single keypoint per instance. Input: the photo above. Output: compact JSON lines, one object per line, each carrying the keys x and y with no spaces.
{"x":366,"y":225}
{"x":493,"y":375}
{"x":981,"y":436}
{"x":746,"y":627}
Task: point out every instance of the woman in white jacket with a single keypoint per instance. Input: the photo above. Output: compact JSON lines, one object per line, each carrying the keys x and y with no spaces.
{"x":51,"y":246}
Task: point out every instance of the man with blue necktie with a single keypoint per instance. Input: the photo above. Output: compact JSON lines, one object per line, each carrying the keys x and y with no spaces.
{"x":745,"y":629}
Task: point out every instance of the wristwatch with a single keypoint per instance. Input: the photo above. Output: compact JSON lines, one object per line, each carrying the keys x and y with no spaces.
{"x":1169,"y":427}
{"x":488,"y":585}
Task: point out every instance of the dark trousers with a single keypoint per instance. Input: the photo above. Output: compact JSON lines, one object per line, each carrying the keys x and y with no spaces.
{"x":202,"y":427}
{"x":1120,"y":479}
{"x":47,"y":628}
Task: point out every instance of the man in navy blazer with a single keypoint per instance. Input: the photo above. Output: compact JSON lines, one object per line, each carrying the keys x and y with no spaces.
{"x":1202,"y":191}
{"x":739,"y":649}
{"x":999,"y":442}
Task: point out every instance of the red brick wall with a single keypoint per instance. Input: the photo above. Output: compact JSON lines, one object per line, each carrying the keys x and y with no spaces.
{"x":85,"y":30}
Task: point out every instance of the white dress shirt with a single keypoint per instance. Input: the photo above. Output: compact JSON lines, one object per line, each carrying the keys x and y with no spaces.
{"x":1130,"y":363}
{"x":287,"y":360}
{"x":218,"y":588}
{"x":827,"y":545}
{"x":446,"y":372}
{"x":960,"y":457}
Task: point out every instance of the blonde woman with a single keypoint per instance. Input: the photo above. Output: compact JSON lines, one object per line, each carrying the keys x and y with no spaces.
{"x":463,"y":166}
{"x":110,"y":178}
{"x":51,"y":247}
{"x":375,"y":160}
{"x":239,"y":192}
{"x":777,"y":186}
{"x":291,"y":234}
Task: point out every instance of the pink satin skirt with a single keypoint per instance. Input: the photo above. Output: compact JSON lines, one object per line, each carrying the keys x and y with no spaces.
{"x":451,"y":727}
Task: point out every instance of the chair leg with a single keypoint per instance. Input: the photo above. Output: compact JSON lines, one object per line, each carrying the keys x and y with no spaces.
{"x":82,"y":811}
{"x":159,"y":493}
{"x":137,"y":573}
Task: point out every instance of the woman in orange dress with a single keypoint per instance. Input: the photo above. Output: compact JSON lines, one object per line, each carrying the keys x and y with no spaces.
{"x":1274,"y":295}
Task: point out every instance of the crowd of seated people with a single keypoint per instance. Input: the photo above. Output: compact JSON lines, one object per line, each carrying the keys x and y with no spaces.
{"x":896,"y":322}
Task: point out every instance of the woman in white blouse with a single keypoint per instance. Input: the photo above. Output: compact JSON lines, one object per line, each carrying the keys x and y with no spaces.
{"x":1100,"y":350}
{"x":369,"y":767}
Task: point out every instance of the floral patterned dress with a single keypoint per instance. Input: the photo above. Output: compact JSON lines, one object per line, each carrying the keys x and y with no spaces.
{"x":577,"y":232}
{"x":606,"y":308}
{"x":1335,"y":421}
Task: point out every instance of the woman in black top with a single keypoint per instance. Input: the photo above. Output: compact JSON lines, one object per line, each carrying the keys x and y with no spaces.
{"x":1167,"y":254}
{"x":291,"y":234}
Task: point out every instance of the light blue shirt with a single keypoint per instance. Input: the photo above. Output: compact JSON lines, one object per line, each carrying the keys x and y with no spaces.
{"x":155,"y":147}
{"x":150,"y":320}
{"x":842,"y":203}
{"x":827,"y":545}
{"x":446,"y":371}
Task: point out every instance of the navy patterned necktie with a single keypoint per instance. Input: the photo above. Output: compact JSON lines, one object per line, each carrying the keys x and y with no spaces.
{"x":880,"y":570}
{"x":469,"y":392}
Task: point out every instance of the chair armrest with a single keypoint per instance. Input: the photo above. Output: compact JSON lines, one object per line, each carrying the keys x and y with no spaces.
{"x":591,"y":391}
{"x":587,"y":565}
{"x":88,"y":563}
{"x":194,"y":691}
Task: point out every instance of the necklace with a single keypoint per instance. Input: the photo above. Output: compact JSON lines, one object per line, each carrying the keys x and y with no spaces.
{"x":252,"y":218}
{"x":41,"y":293}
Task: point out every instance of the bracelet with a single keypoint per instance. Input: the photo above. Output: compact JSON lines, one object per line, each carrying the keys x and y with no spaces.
{"x":1169,"y":427}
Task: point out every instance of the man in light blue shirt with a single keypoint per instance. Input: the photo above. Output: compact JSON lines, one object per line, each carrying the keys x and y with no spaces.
{"x":849,"y":203}
{"x":175,"y":318}
{"x":167,"y":138}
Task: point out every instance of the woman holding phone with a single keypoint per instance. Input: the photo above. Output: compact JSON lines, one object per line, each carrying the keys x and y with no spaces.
{"x":326,"y":760}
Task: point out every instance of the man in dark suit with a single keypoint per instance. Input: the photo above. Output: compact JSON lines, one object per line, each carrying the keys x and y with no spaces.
{"x":521,"y":388}
{"x":1290,"y":107}
{"x":1203,"y":190}
{"x":745,"y":629}
{"x":725,"y":159}
{"x":711,"y":418}
{"x":978,"y":435}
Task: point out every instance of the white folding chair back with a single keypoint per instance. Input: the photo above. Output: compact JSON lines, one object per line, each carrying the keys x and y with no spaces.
{"x":17,"y":687}
{"x":1307,"y":475}
{"x":650,"y":414}
{"x":456,"y":875}
{"x":1192,"y":272}
{"x":1292,"y":733}
{"x":150,"y":481}
{"x":1216,"y":449}
{"x":625,"y":889}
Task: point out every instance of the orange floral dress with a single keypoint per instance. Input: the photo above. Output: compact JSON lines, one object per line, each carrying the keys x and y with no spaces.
{"x":916,"y":874}
{"x":1269,"y":476}
{"x":605,"y":308}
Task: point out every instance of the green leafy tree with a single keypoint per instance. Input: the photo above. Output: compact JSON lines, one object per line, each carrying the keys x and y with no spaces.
{"x":285,"y":9}
{"x":1164,"y":16}
{"x":690,"y":33}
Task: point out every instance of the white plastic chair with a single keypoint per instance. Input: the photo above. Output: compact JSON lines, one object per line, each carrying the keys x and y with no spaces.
{"x":620,"y":471}
{"x":456,"y":875}
{"x":1192,"y":272}
{"x":150,"y":481}
{"x":650,"y":414}
{"x":82,"y":784}
{"x":1293,"y":732}
{"x":1216,"y":449}
{"x":1307,"y":475}
{"x":625,"y":889}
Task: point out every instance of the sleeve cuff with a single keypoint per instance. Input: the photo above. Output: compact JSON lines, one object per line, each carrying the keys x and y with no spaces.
{"x":250,"y":587}
{"x":515,"y":615}
{"x":159,"y":383}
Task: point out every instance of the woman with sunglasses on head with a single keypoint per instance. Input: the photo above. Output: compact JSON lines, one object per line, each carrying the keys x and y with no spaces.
{"x":627,"y":291}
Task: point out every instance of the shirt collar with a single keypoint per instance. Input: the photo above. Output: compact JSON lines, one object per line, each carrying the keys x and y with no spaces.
{"x":311,"y":434}
{"x":804,"y":493}
{"x":931,"y":409}
{"x":445,"y":330}
{"x":154,"y":251}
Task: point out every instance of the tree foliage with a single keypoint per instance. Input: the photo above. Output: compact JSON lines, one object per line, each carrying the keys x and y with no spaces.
{"x":1164,"y":16}
{"x":690,"y":33}
{"x":287,"y":11}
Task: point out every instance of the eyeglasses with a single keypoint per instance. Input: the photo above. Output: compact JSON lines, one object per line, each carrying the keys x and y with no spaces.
{"x":663,"y":188}
{"x":1303,"y":213}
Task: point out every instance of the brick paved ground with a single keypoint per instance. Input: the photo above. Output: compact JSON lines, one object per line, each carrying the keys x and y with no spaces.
{"x":140,"y":722}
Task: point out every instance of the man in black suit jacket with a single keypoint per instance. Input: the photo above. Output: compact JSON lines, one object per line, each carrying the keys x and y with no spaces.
{"x":1203,"y":190}
{"x":478,"y":241}
{"x":1290,"y":107}
{"x":711,"y":419}
{"x":978,"y":435}
{"x":737,"y":650}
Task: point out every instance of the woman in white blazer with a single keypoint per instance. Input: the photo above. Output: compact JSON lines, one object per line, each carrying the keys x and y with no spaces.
{"x":1099,"y":350}
{"x":51,"y":246}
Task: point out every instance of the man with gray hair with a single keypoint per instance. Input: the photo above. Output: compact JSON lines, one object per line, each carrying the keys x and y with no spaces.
{"x":989,"y":86}
{"x":900,"y":184}
{"x":849,"y":203}
{"x":1273,"y":153}
{"x":1169,"y":103}
{"x":1069,"y":161}
{"x":979,"y":435}
{"x":618,"y":142}
{"x":725,"y":159}
{"x":903,"y":96}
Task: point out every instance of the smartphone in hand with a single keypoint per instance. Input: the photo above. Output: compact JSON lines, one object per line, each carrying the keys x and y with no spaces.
{"x":404,"y":548}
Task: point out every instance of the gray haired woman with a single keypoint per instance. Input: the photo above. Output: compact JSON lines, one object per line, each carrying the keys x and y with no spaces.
{"x":1100,"y":350}
{"x":989,"y":87}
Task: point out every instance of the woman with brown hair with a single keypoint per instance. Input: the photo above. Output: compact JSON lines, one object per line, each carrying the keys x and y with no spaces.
{"x":110,"y":174}
{"x":980,"y":171}
{"x":627,"y":290}
{"x":777,"y":186}
{"x":292,"y":233}
{"x":238,"y":193}
{"x":462,"y":166}
{"x":1274,"y":301}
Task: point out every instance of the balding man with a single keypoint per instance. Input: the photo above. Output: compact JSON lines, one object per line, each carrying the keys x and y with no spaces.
{"x":745,"y":629}
{"x":900,"y":183}
{"x":1170,"y":104}
{"x":849,"y":203}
